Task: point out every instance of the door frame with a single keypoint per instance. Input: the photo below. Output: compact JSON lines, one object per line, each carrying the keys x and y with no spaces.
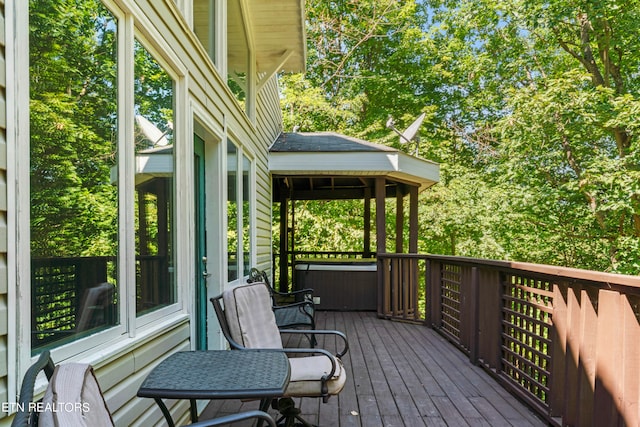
{"x":210,"y":131}
{"x":200,"y":242}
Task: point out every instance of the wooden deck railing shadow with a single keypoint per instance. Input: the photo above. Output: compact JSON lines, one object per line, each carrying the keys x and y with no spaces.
{"x":566,"y":341}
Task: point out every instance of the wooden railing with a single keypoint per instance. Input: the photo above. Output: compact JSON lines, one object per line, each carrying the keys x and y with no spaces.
{"x":565,"y":340}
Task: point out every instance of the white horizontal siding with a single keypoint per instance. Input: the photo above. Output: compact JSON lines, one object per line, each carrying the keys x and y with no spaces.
{"x":4,"y":278}
{"x":121,"y":378}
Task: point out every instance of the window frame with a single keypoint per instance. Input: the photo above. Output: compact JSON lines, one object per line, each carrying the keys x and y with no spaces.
{"x":241,"y":153}
{"x":131,"y":24}
{"x":216,"y":35}
{"x":179,"y":88}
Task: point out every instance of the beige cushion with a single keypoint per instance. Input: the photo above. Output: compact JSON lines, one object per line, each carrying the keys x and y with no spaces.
{"x":306,"y":373}
{"x":250,"y":316}
{"x":73,"y":398}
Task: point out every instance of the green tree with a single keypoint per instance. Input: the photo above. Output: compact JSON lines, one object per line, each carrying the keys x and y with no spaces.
{"x":532,"y":112}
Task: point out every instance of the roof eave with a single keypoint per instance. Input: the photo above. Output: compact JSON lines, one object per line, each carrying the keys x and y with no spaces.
{"x":278,"y":28}
{"x":396,"y":165}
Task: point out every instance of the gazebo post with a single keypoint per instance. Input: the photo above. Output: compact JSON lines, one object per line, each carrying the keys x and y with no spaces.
{"x":381,"y":218}
{"x":292,"y":242}
{"x":413,"y":246}
{"x":367,"y":223}
{"x":381,"y":237}
{"x":284,"y":247}
{"x":399,"y":220}
{"x":413,"y":220}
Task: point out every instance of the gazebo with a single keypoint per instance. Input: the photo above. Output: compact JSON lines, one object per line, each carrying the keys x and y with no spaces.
{"x":330,"y":166}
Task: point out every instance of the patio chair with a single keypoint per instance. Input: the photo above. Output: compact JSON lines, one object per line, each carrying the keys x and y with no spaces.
{"x":247,"y":322}
{"x":291,"y":309}
{"x":75,"y":385}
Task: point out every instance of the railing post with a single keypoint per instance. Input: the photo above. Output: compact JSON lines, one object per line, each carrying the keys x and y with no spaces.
{"x":414,"y":263}
{"x":572,"y":356}
{"x":609,"y":361}
{"x":558,"y":351}
{"x":383,"y":286}
{"x":394,"y":284}
{"x":586,"y":381}
{"x":474,"y":304}
{"x":489,"y":343}
{"x":428,"y":292}
{"x":433,"y":295}
{"x":631,"y":355}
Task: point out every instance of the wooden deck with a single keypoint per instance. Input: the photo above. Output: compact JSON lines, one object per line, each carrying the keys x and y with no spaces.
{"x":403,"y":375}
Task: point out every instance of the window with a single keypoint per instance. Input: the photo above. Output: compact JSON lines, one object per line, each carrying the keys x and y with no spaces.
{"x":239,"y":223}
{"x":238,"y":55}
{"x":85,"y":219}
{"x":155,"y":281}
{"x":246,"y":215}
{"x":73,"y":148}
{"x":204,"y":20}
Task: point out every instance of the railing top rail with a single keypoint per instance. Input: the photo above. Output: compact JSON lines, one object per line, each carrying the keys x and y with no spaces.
{"x":396,"y":255}
{"x":545,"y":270}
{"x":327,"y":252}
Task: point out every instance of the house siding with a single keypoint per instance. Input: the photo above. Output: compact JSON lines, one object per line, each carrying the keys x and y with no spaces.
{"x":268,"y":104}
{"x":121,"y":377}
{"x":121,"y":371}
{"x":4,"y":274}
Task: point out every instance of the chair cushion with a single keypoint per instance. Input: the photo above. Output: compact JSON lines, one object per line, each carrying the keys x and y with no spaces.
{"x":250,"y":317}
{"x":306,"y":373}
{"x":75,"y":399}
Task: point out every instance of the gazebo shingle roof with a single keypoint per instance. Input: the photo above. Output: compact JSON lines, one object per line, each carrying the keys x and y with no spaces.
{"x":323,"y":142}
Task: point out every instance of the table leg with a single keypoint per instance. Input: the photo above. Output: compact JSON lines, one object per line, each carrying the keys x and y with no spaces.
{"x":265,"y":402}
{"x":165,"y":411}
{"x":264,"y":407}
{"x":194,"y":411}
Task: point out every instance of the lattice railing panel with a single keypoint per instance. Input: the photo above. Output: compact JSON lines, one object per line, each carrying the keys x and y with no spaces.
{"x":451,"y":279}
{"x":526,"y":327}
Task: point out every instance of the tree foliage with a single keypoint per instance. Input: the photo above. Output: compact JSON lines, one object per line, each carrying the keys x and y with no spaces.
{"x":532,"y":111}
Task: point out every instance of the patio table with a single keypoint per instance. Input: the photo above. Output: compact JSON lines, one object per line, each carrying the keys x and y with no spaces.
{"x":217,"y":374}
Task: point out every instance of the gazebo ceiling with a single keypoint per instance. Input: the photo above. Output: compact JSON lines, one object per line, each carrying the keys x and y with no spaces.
{"x":316,"y":166}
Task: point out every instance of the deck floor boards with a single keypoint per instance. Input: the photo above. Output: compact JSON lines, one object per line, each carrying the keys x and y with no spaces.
{"x":401,"y":375}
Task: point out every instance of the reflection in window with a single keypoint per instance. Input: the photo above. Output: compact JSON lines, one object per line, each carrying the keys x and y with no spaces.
{"x":74,"y":203}
{"x":246,"y":214}
{"x":238,"y":213}
{"x":237,"y":51}
{"x":204,"y":18}
{"x":155,"y":281}
{"x":232,"y":210}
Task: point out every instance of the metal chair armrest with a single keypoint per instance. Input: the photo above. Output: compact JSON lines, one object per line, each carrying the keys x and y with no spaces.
{"x":282,"y":298}
{"x":312,"y":351}
{"x":321,"y":332}
{"x":294,"y":304}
